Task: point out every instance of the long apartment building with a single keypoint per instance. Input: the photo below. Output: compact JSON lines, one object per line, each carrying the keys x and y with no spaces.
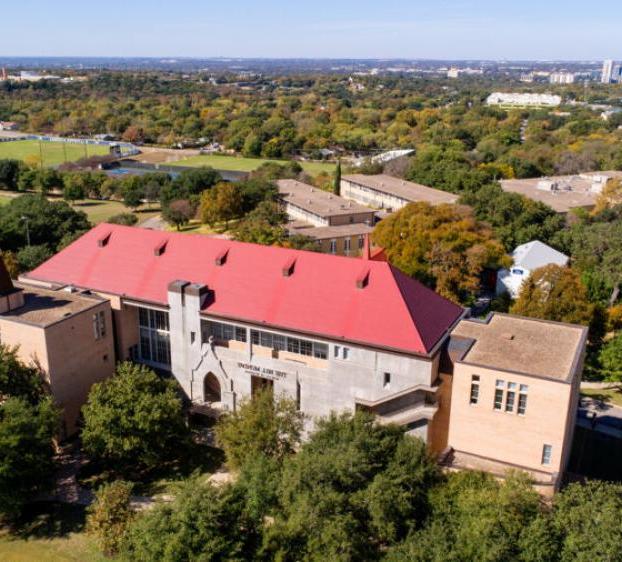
{"x":227,"y":319}
{"x":389,"y":193}
{"x":338,"y":225}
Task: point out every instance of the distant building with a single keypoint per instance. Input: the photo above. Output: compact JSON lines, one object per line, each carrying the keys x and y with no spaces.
{"x":453,"y":73}
{"x":523,"y":100}
{"x":386,"y":192}
{"x":8,"y":126}
{"x":607,"y":73}
{"x":526,"y":258}
{"x":338,"y":225}
{"x":562,"y":78}
{"x":563,"y":193}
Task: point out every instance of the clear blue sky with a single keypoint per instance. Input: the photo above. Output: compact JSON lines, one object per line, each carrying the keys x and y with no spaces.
{"x":461,"y":29}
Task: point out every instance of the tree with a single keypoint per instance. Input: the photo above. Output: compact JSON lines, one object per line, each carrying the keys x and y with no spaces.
{"x":133,"y":193}
{"x":222,"y":203}
{"x":201,"y":523}
{"x":47,"y":222}
{"x":74,"y":188}
{"x":9,"y":174}
{"x":30,"y":257}
{"x":353,"y":489}
{"x":195,"y":182}
{"x":19,"y":380}
{"x":26,"y":451}
{"x":442,"y":246}
{"x":337,"y":183}
{"x":179,"y":213}
{"x":610,"y":358}
{"x":133,"y":420}
{"x":110,"y":515}
{"x":555,"y":293}
{"x":261,"y":426}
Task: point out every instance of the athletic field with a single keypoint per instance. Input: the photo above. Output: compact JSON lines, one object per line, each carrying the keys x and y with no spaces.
{"x":235,"y":164}
{"x":53,"y":153}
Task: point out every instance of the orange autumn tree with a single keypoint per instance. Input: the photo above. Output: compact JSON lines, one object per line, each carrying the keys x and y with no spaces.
{"x":443,"y":246}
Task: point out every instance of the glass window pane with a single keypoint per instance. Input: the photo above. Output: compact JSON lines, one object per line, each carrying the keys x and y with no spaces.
{"x":522,"y":403}
{"x":255,"y":337}
{"x":509,"y":402}
{"x":498,"y":399}
{"x":306,"y":347}
{"x":293,"y":345}
{"x":320,"y":350}
{"x":240,"y":334}
{"x":500,"y":384}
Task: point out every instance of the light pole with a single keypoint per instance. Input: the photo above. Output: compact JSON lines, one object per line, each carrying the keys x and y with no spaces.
{"x":25,"y":219}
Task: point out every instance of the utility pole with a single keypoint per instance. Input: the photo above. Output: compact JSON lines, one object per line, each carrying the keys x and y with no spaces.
{"x":40,"y":155}
{"x":25,"y":219}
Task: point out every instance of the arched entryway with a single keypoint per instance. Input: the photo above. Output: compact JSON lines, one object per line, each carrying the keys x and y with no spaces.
{"x":211,"y":388}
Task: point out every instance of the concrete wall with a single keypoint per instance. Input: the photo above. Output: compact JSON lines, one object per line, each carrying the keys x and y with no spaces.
{"x":125,"y":321}
{"x":30,"y":341}
{"x":508,"y":437}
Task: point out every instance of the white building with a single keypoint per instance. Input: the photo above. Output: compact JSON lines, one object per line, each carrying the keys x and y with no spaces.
{"x":562,"y":78}
{"x":607,"y":74}
{"x":523,"y":100}
{"x":527,"y":258}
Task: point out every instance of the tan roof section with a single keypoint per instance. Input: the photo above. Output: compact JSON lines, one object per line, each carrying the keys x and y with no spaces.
{"x":317,"y":201}
{"x":43,"y":307}
{"x":326,"y":232}
{"x":524,"y":345}
{"x":403,"y":189}
{"x":563,"y":200}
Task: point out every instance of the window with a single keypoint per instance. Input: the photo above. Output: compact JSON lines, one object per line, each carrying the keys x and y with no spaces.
{"x":510,"y":397}
{"x":499,"y":386}
{"x":333,"y":246}
{"x":547,"y":452}
{"x":474,"y":399}
{"x":522,"y":399}
{"x":222,"y":331}
{"x":99,"y":325}
{"x":154,"y":337}
{"x":346,"y":246}
{"x":361,"y":242}
{"x":517,"y":271}
{"x":386,"y":380}
{"x":345,"y":354}
{"x":337,"y":351}
{"x":292,"y":345}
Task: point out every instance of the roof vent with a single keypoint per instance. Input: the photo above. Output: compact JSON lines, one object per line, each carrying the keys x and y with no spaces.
{"x":160,"y":248}
{"x":221,"y":258}
{"x":507,"y":336}
{"x":363,"y":279}
{"x":103,"y":240}
{"x":288,"y":268}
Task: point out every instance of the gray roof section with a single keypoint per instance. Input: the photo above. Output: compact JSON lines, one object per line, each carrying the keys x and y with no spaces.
{"x":536,"y":254}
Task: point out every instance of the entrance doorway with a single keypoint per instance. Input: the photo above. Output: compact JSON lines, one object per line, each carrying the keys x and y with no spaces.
{"x":211,"y":388}
{"x":259,"y":384}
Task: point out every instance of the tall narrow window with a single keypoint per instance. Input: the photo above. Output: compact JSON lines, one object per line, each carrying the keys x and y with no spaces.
{"x":337,"y":351}
{"x":522,"y":399}
{"x":547,"y":453}
{"x":386,"y":380}
{"x":510,"y":397}
{"x":499,"y":386}
{"x":333,"y":246}
{"x":474,"y":399}
{"x":346,"y":246}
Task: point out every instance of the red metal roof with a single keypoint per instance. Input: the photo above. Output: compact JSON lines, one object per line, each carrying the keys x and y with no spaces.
{"x":336,"y":297}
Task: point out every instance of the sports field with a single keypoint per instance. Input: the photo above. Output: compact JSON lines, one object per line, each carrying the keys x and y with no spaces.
{"x":54,"y":153}
{"x":235,"y":164}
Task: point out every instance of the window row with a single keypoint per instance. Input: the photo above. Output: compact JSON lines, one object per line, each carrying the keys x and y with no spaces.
{"x":292,"y":345}
{"x":222,"y":331}
{"x":510,"y":396}
{"x":99,"y":325}
{"x":154,"y":319}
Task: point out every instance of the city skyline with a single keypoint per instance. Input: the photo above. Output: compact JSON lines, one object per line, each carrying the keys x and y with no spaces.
{"x":449,"y":29}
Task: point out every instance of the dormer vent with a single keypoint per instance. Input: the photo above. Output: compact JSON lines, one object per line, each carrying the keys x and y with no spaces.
{"x":221,"y":258}
{"x":160,"y":248}
{"x":103,"y":240}
{"x":288,"y":268}
{"x":363,"y":279}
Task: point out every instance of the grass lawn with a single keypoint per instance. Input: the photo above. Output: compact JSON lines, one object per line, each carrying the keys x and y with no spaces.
{"x":100,"y":211}
{"x":608,"y":395}
{"x":235,"y":164}
{"x":50,"y":533}
{"x":53,"y":152}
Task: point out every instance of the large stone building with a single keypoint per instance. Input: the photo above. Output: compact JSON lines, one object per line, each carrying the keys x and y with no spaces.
{"x":333,"y":333}
{"x":389,"y":193}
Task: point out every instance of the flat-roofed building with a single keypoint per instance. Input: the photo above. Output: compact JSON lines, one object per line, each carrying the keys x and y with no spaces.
{"x":511,"y":99}
{"x":66,"y":334}
{"x":387,"y":192}
{"x":563,"y":193}
{"x":320,"y":208}
{"x":345,"y":240}
{"x":514,"y":395}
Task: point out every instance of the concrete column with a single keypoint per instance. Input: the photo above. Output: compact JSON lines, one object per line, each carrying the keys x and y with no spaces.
{"x":176,"y":319}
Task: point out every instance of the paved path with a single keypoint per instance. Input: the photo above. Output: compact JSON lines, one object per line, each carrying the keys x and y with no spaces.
{"x":154,"y":223}
{"x":600,"y":416}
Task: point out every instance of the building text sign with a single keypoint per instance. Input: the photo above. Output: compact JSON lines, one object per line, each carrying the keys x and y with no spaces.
{"x":263,"y":372}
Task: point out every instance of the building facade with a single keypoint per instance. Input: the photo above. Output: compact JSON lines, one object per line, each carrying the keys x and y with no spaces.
{"x":229,"y":319}
{"x":389,"y":193}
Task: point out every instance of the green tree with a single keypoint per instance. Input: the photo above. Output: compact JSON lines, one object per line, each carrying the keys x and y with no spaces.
{"x":133,"y":420}
{"x":19,"y":380}
{"x":202,"y":523}
{"x":126,"y":219}
{"x":443,"y":246}
{"x":30,"y":257}
{"x":555,"y":293}
{"x":337,"y":183}
{"x":26,"y":451}
{"x":179,"y":213}
{"x":610,"y":358}
{"x":261,"y":426}
{"x":74,"y":188}
{"x":110,"y":516}
{"x":9,"y":174}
